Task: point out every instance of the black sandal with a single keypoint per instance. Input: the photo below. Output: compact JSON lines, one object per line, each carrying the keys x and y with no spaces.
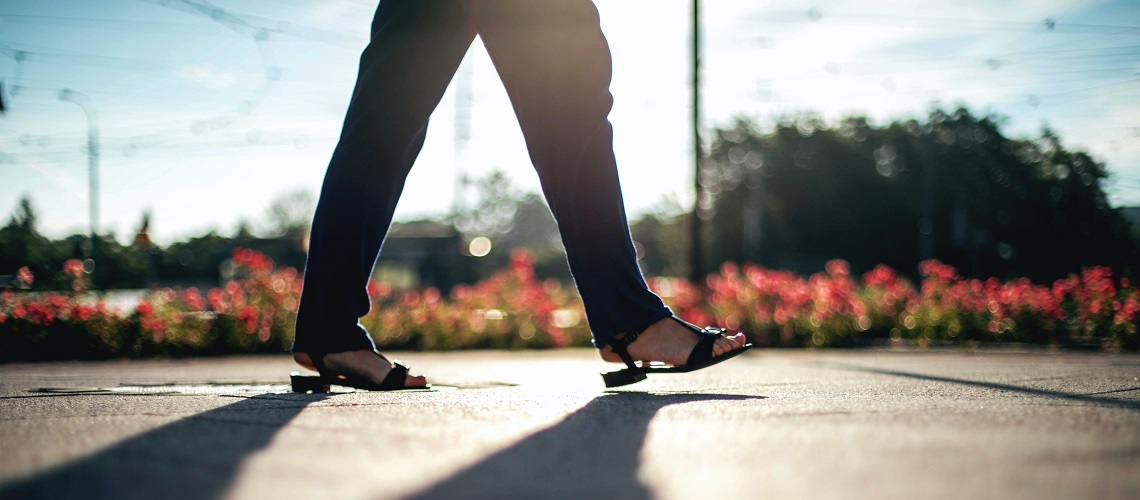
{"x":700,"y":357}
{"x":394,"y":381}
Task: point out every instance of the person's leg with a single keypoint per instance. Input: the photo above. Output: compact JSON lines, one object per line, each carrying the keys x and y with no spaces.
{"x":555,"y":64}
{"x":415,"y":49}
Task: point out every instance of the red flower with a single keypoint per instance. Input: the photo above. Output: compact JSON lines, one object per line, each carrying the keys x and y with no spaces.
{"x":145,"y":308}
{"x":217,"y":300}
{"x":24,"y":277}
{"x":838,"y":267}
{"x":193,"y":299}
{"x":522,"y":264}
{"x":248,"y":317}
{"x":73,"y":268}
{"x":251,"y":260}
{"x":82,"y":313}
{"x":154,"y":325}
{"x":55,"y":301}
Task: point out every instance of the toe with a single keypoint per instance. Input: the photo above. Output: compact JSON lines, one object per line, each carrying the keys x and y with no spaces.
{"x":722,"y":346}
{"x":738,"y":340}
{"x":728,"y":343}
{"x":415,"y":381}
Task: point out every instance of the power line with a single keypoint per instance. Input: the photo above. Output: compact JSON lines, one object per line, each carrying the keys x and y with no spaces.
{"x":257,"y":27}
{"x":14,"y":160}
{"x":1049,"y":25}
{"x":117,"y":25}
{"x":95,"y":60}
{"x":1051,"y":57}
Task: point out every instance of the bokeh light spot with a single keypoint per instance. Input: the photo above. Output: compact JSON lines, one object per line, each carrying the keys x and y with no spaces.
{"x":480,"y":246}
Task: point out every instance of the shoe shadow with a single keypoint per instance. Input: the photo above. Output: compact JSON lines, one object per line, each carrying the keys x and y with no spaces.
{"x":592,"y":453}
{"x":196,"y":457}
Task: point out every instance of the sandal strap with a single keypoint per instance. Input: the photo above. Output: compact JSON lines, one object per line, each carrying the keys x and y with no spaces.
{"x":707,"y":336}
{"x":396,"y":378}
{"x":620,"y":346}
{"x":701,"y":352}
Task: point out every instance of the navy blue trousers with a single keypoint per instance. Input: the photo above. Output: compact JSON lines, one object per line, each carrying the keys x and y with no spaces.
{"x":555,"y":64}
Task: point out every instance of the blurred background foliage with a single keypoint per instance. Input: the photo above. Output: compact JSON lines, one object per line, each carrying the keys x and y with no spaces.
{"x":950,"y":187}
{"x":925,"y":231}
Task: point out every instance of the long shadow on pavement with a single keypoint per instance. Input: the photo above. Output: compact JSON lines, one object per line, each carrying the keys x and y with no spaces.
{"x":593,"y":453}
{"x":1088,"y":398}
{"x":196,"y":457}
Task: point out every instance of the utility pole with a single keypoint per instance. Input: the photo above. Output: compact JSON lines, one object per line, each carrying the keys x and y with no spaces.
{"x":695,"y":257}
{"x":88,"y":107}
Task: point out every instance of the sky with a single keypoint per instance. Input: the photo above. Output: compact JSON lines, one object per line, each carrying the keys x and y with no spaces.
{"x":208,"y":111}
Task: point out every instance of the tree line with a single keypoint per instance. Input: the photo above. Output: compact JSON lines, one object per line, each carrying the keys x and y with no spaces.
{"x":950,"y":186}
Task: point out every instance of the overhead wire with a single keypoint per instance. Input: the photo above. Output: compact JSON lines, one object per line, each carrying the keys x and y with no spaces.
{"x":932,"y":22}
{"x":1094,"y":59}
{"x":1101,"y":67}
{"x":253,"y":27}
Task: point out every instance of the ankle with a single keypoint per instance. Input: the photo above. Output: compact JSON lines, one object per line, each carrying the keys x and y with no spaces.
{"x":303,"y":359}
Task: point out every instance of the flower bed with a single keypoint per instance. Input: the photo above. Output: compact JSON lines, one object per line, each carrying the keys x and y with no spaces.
{"x":509,"y":310}
{"x":254,"y":312}
{"x":834,"y":308}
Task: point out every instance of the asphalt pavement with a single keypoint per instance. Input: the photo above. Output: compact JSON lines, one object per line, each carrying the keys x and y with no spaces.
{"x":990,"y":423}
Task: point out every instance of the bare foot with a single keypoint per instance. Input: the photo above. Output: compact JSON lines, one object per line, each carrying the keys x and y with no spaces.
{"x":671,"y":342}
{"x":363,"y":363}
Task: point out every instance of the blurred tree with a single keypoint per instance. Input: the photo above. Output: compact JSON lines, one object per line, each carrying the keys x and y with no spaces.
{"x":951,"y":187}
{"x":511,"y":219}
{"x":119,"y":266}
{"x":197,"y":259}
{"x":289,"y":214}
{"x":25,"y":216}
{"x":535,"y":230}
{"x":661,"y":238}
{"x":143,"y":244}
{"x":496,"y":210}
{"x":21,"y":245}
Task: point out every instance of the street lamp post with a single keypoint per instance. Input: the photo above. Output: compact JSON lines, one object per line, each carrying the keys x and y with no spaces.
{"x":92,"y":157}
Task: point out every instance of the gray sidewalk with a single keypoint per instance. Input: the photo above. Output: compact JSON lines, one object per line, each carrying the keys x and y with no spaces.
{"x":771,"y":424}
